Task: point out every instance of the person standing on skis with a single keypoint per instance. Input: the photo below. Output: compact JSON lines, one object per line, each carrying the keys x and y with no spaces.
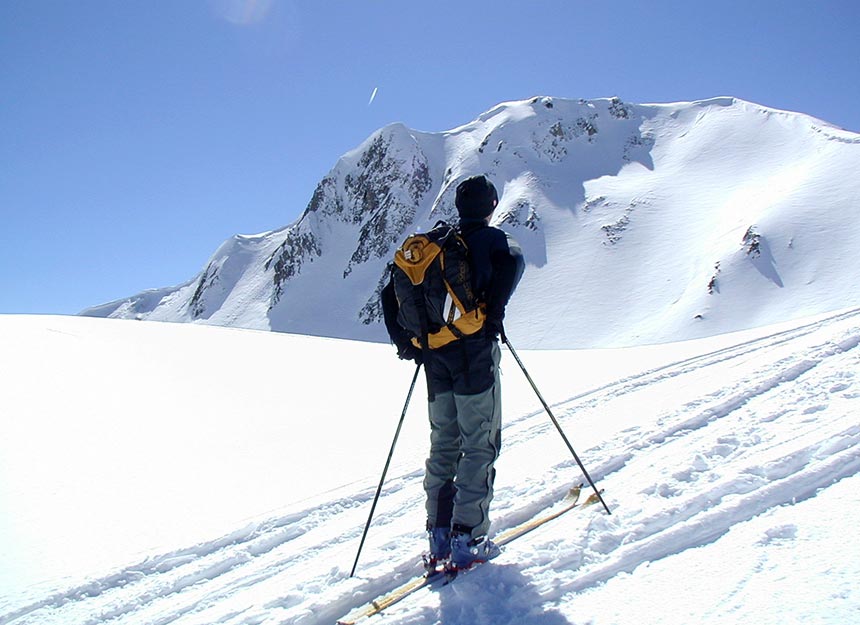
{"x":464,"y":391}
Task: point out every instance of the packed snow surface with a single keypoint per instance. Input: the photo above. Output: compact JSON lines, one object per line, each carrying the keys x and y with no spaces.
{"x":164,"y":473}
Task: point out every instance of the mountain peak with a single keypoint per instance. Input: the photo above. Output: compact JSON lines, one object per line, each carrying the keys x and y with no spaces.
{"x":633,"y":218}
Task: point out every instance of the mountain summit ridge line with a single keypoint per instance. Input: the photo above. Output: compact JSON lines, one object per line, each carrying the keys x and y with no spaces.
{"x":640,"y":224}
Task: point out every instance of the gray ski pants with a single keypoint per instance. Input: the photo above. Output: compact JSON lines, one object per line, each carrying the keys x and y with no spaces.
{"x":465,"y":439}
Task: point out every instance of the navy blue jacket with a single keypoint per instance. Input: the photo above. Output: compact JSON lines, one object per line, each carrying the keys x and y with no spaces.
{"x":497,"y":265}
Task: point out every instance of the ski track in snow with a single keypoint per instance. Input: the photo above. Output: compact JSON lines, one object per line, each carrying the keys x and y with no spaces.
{"x":774,"y":427}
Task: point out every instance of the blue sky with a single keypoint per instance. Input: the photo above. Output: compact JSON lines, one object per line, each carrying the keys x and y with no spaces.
{"x":136,"y":136}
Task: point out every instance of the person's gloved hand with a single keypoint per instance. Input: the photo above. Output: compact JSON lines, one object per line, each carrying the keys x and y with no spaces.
{"x":495,"y":328}
{"x":408,"y":351}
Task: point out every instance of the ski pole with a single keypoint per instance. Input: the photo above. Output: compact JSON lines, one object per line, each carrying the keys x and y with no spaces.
{"x":385,"y":470}
{"x":555,"y":422}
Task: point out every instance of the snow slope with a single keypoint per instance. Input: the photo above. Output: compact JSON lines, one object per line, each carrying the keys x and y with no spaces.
{"x":162,"y":473}
{"x":640,"y":224}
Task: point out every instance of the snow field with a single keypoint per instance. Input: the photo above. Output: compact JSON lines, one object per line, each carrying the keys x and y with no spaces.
{"x":731,"y":467}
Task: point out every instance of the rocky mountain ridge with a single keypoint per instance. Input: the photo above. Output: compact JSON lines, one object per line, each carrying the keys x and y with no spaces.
{"x":594,"y":191}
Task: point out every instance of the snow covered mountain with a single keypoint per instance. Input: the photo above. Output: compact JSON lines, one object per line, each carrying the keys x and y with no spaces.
{"x":229,"y":483}
{"x":640,"y":224}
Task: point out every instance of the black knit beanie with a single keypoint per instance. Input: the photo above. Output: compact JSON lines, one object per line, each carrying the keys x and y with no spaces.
{"x":476,"y":198}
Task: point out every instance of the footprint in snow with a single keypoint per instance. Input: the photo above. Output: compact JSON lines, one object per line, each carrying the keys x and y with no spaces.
{"x":779,"y":533}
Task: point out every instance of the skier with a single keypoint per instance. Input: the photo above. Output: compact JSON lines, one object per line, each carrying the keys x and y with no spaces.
{"x":464,"y":402}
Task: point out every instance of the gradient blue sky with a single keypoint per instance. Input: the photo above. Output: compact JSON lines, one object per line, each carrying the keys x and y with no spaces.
{"x":137,"y":135}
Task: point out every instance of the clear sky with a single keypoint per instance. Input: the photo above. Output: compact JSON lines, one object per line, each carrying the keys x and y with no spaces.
{"x":136,"y":136}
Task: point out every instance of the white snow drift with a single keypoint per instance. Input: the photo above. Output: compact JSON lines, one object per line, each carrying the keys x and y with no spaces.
{"x":163,"y":473}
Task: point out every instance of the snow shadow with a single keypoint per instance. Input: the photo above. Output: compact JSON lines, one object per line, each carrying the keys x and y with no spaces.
{"x":764,"y":262}
{"x":497,"y":594}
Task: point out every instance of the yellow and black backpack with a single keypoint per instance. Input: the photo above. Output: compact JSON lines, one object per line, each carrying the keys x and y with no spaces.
{"x":433,"y":285}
